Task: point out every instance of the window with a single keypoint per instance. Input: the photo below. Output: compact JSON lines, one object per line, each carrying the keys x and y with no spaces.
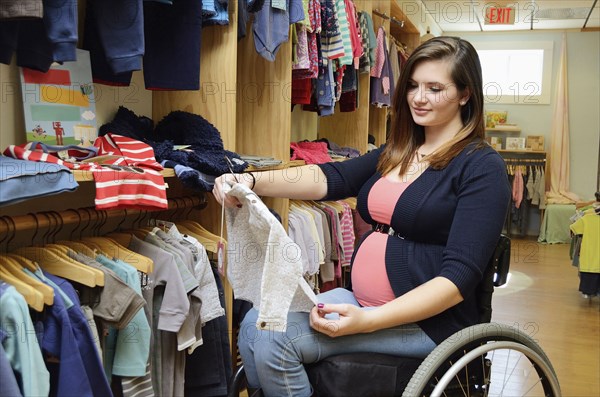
{"x":518,"y":73}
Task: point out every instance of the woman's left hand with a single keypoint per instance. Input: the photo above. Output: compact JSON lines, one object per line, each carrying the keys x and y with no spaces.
{"x":352,"y":320}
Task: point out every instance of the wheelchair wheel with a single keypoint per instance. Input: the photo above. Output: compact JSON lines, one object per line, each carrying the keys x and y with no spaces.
{"x":485,"y":360}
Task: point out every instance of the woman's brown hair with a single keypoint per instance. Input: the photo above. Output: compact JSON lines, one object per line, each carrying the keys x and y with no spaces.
{"x":405,"y":135}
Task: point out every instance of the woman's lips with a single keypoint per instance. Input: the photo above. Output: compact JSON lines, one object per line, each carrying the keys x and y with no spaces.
{"x":420,"y":111}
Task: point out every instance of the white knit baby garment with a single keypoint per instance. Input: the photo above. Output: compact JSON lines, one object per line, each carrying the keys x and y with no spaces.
{"x":264,"y":265}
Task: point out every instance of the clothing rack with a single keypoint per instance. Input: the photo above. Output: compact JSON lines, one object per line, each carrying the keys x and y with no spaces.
{"x":86,"y":219}
{"x":515,"y":161}
{"x":44,"y":226}
{"x":523,"y":164}
{"x":387,"y":17}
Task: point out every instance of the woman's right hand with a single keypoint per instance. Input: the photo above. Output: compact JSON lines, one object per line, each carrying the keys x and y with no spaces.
{"x":230,"y":179}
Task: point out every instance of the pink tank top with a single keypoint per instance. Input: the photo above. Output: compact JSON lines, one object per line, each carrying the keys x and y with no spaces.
{"x":370,"y":282}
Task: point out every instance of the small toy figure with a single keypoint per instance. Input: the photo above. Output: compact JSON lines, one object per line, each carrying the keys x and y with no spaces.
{"x":58,"y":131}
{"x":39,"y":132}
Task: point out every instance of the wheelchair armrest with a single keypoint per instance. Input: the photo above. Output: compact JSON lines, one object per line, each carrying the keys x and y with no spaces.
{"x":495,"y":275}
{"x":501,"y":261}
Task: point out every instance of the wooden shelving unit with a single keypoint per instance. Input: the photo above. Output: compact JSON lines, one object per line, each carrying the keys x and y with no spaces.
{"x":508,"y":130}
{"x":248,"y":98}
{"x":87,"y":176}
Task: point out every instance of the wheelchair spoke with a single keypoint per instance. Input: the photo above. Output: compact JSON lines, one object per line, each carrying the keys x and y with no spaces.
{"x":507,"y":374}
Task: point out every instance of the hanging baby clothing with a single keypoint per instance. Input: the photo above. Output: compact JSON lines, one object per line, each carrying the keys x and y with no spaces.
{"x":264,"y":264}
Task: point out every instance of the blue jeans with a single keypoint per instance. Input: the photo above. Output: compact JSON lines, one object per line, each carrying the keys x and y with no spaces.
{"x":274,"y":360}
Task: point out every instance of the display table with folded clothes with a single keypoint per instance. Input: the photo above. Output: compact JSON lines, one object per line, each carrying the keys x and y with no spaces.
{"x":556,"y":223}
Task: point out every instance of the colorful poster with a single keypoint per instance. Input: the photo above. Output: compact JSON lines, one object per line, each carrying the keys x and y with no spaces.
{"x":59,"y":105}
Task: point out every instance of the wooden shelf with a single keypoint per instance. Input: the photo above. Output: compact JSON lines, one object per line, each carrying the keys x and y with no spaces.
{"x":87,"y":176}
{"x":511,"y":130}
{"x":289,"y":164}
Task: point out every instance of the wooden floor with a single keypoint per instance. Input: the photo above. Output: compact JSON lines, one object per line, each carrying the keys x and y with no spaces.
{"x":542,"y":299}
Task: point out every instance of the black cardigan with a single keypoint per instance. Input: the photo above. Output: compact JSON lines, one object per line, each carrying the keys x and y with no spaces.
{"x":450,"y":221}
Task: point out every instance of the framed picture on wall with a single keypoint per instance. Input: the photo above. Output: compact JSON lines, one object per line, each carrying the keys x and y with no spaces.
{"x":59,"y":105}
{"x":515,"y":143}
{"x":495,"y":142}
{"x":495,"y":117}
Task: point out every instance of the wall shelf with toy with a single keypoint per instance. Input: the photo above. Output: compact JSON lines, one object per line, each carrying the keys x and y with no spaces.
{"x":504,"y":136}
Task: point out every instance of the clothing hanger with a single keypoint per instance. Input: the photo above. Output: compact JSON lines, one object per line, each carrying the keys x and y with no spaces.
{"x":208,"y":243}
{"x":15,"y":268}
{"x":351,"y":201}
{"x":139,"y":233}
{"x":122,"y":238}
{"x":198,"y":229}
{"x":79,"y":247}
{"x":24,"y":262}
{"x":337,"y":206}
{"x":63,"y":252}
{"x":60,"y":265}
{"x":113,"y":249}
{"x":55,"y":260}
{"x":61,"y":249}
{"x":34,"y":298}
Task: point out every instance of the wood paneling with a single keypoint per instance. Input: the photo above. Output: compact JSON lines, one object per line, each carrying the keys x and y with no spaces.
{"x":408,"y":34}
{"x":264,"y":101}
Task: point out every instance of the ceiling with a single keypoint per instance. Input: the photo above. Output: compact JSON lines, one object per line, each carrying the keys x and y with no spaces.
{"x":469,"y":15}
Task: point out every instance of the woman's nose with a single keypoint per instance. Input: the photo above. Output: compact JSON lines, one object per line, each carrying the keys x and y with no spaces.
{"x":420,"y":96}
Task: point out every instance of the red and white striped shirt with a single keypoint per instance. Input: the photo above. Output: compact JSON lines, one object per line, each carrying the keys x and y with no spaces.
{"x":130,"y":179}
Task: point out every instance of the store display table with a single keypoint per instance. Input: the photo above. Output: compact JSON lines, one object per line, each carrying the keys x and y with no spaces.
{"x":555,"y":224}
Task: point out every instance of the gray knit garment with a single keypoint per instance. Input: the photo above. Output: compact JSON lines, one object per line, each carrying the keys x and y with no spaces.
{"x":263,"y":264}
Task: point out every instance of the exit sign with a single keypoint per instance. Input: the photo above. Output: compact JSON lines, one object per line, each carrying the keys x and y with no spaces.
{"x":500,"y":16}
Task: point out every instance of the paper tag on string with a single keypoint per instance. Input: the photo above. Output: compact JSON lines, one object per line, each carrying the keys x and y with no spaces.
{"x":280,"y":4}
{"x":221,"y":258}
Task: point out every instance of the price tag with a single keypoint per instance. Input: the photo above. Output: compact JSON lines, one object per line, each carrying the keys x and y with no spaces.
{"x":221,"y":258}
{"x":280,"y":4}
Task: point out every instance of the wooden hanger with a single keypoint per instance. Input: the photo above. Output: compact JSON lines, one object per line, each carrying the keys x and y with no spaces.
{"x":63,"y":266}
{"x":63,"y":252}
{"x":351,"y":202}
{"x":121,"y":237}
{"x":24,"y":262}
{"x":336,"y":206}
{"x":139,"y":233}
{"x":208,"y":240}
{"x":198,"y":229}
{"x":15,"y":268}
{"x":79,"y":247}
{"x":113,"y":249}
{"x":34,"y":298}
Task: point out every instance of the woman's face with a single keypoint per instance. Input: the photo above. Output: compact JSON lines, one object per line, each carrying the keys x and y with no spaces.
{"x":432,"y":96}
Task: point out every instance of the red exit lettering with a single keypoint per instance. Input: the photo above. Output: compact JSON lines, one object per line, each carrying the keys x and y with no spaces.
{"x":500,"y":16}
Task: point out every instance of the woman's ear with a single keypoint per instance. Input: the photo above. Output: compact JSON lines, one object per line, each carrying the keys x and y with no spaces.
{"x":466,"y":95}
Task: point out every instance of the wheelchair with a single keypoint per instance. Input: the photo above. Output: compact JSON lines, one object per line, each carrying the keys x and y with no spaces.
{"x":487,"y":359}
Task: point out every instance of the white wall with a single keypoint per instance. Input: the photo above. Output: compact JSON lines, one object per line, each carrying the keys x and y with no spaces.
{"x":583,"y":65}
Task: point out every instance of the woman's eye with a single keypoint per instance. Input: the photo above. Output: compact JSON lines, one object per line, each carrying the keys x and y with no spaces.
{"x":436,"y":89}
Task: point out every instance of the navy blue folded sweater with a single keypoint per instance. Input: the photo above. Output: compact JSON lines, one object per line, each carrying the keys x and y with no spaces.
{"x":450,"y":221}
